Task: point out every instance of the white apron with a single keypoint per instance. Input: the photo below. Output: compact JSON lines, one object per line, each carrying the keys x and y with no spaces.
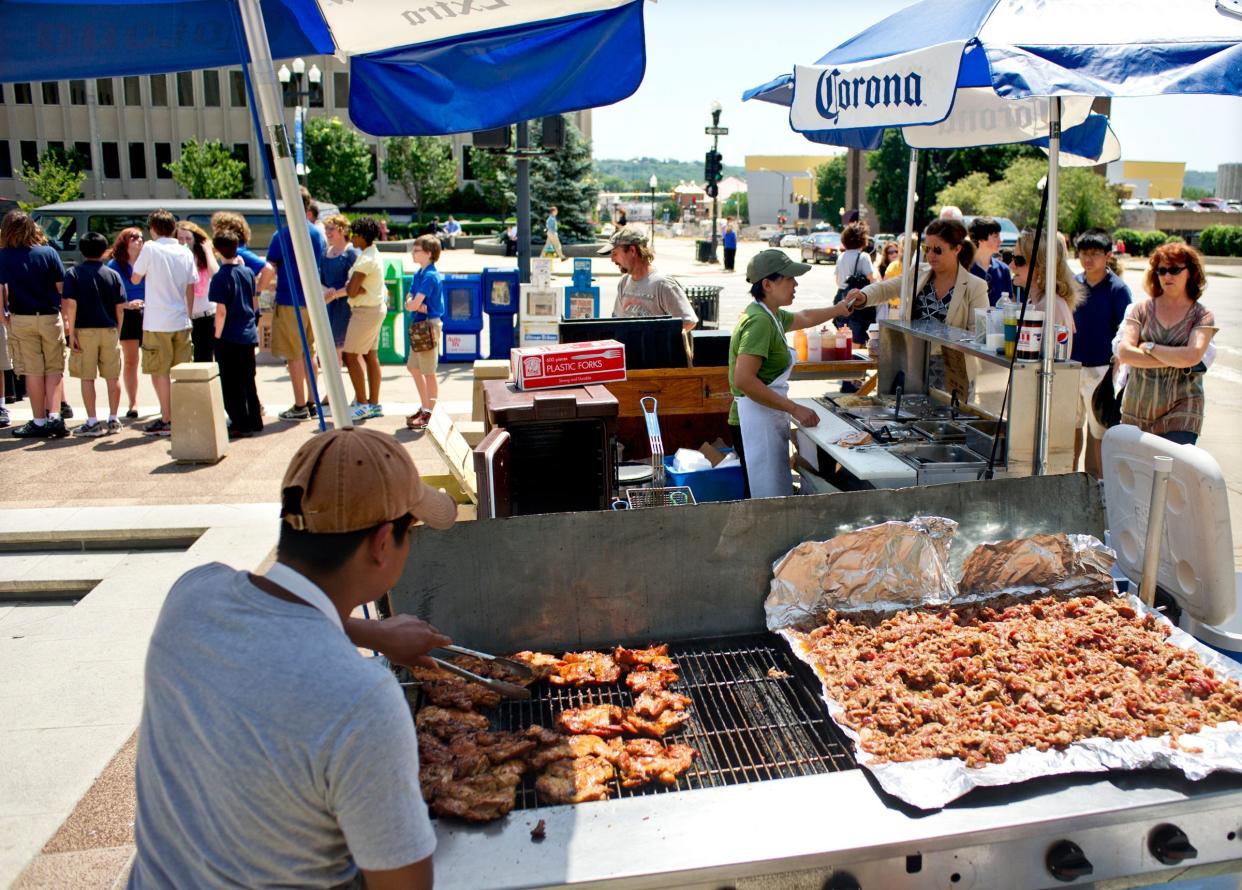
{"x":765,"y":437}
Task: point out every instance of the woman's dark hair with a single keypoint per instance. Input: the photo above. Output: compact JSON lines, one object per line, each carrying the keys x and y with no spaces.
{"x":756,"y":289}
{"x":20,"y":230}
{"x":1176,"y":255}
{"x":120,"y":247}
{"x":366,"y":228}
{"x":854,"y":237}
{"x":327,"y":552}
{"x":953,"y":233}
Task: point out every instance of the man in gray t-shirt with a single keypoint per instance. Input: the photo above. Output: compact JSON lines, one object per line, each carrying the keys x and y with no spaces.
{"x":642,"y":291}
{"x":271,"y":753}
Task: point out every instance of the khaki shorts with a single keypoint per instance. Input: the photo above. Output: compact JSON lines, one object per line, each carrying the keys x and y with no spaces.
{"x":1087,"y":383}
{"x":425,"y":362}
{"x":99,"y":354}
{"x":362,"y":335}
{"x":286,"y":341}
{"x":163,"y":349}
{"x":38,"y":344}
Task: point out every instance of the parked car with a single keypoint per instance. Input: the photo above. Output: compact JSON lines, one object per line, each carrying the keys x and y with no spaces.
{"x":1219,"y":204}
{"x":822,"y":247}
{"x":791,"y":240}
{"x":775,"y":238}
{"x":823,"y":227}
{"x":1008,"y":234}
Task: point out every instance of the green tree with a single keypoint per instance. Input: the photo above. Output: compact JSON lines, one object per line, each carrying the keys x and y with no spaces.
{"x":58,"y":177}
{"x":566,"y":180}
{"x":423,"y":166}
{"x":494,"y":175}
{"x":341,"y":168}
{"x":887,"y":192}
{"x":970,"y":194}
{"x":830,"y":186}
{"x":1194,"y":193}
{"x":208,"y":170}
{"x":737,"y":206}
{"x":1016,"y":195}
{"x":1085,"y":200}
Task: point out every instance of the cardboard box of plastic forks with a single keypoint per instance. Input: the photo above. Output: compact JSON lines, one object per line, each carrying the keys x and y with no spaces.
{"x":567,"y":364}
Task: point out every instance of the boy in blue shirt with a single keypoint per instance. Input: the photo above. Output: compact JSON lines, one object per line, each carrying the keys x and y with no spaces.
{"x":237,"y":337}
{"x":94,"y":303}
{"x":425,"y":304}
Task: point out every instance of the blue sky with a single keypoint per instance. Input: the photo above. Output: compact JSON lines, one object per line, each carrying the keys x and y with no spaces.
{"x":700,"y":50}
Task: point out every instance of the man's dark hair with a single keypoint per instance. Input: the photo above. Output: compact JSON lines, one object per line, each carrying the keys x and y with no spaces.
{"x":854,"y":236}
{"x":327,"y":552}
{"x":162,"y":223}
{"x":756,"y":289}
{"x":367,"y":228}
{"x":312,"y":210}
{"x":1094,"y":239}
{"x":92,"y":245}
{"x":982,"y":228}
{"x":225,"y":242}
{"x":306,"y":197}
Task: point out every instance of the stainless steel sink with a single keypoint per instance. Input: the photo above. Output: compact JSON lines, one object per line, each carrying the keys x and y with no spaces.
{"x":939,"y":454}
{"x":940,"y":430}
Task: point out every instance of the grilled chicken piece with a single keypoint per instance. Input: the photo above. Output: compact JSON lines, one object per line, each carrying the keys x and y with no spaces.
{"x":543,"y":735}
{"x":653,"y":704}
{"x":646,"y":760}
{"x":669,"y":721}
{"x":653,"y":658}
{"x":541,"y":663}
{"x":448,"y":722}
{"x":497,"y":747}
{"x":460,"y":694}
{"x":480,"y":798}
{"x":488,"y":669}
{"x":586,"y":669}
{"x":575,"y":781}
{"x":461,"y":761}
{"x":650,"y":681}
{"x":569,"y":747}
{"x":604,"y":721}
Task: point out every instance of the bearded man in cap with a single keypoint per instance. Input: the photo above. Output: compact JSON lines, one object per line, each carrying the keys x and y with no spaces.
{"x":271,"y":752}
{"x":642,"y":291}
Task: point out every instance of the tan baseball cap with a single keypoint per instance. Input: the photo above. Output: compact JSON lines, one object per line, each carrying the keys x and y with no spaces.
{"x":351,"y":479}
{"x":623,"y":236}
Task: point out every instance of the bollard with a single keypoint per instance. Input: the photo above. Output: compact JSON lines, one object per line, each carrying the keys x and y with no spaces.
{"x":1155,"y":528}
{"x":199,"y":431}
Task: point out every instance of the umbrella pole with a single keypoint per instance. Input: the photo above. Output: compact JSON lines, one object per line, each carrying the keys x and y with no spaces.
{"x":1050,"y":288}
{"x":272,"y":113}
{"x":907,"y":248}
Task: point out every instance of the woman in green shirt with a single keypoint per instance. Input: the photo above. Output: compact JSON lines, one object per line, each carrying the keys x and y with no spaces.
{"x":760,"y":362}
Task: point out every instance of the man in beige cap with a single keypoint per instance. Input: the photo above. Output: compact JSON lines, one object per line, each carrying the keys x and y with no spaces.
{"x":642,"y":291}
{"x":271,"y":752}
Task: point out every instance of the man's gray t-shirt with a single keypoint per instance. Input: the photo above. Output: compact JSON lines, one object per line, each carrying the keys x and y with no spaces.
{"x":271,"y":753}
{"x":653,"y":295}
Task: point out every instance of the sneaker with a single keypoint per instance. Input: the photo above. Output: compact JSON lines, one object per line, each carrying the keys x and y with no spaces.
{"x":114,"y":426}
{"x":90,"y":429}
{"x":31,"y":430}
{"x":360,"y":412}
{"x":66,"y":411}
{"x":131,"y":414}
{"x":4,"y":417}
{"x":297,"y":412}
{"x":56,"y":428}
{"x":376,"y":410}
{"x":158,"y":427}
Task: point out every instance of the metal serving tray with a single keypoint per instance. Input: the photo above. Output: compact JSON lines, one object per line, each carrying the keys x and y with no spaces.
{"x":940,"y":430}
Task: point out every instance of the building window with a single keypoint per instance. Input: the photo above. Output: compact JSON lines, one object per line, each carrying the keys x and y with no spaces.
{"x":340,"y":89}
{"x":84,"y":152}
{"x":51,"y":92}
{"x":211,"y":88}
{"x":241,"y":152}
{"x":237,"y":89}
{"x":30,"y":153}
{"x":6,"y":161}
{"x":22,"y":94}
{"x":103,"y":91}
{"x":55,"y":145}
{"x":77,"y":92}
{"x":185,"y":89}
{"x":133,"y":92}
{"x":316,"y":95}
{"x":159,"y":89}
{"x":111,"y":154}
{"x":163,"y":157}
{"x":290,"y":93}
{"x":137,"y":161}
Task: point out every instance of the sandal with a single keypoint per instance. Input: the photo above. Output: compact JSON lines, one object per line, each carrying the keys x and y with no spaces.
{"x":418,"y":420}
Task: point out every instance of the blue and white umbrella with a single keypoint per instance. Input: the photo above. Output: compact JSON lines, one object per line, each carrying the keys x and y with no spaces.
{"x":978,"y":72}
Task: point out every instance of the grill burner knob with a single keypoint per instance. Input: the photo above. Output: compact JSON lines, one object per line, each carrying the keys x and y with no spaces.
{"x":843,"y":880}
{"x":1169,"y":844}
{"x":1067,"y":862}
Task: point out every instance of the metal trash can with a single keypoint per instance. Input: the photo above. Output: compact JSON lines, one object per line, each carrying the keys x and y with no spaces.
{"x":703,"y":251}
{"x":705,"y":298}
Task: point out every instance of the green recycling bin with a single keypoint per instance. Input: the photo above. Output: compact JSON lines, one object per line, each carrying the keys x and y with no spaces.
{"x":392,"y":341}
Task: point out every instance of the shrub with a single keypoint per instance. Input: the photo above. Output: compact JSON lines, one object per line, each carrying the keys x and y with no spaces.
{"x":1140,"y":243}
{"x":1221,"y":241}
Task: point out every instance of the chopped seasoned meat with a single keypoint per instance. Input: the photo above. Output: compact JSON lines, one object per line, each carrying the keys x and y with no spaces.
{"x":575,"y":781}
{"x":604,"y":721}
{"x":653,"y":704}
{"x":653,"y":658}
{"x":543,"y":735}
{"x":646,"y":760}
{"x":777,"y":674}
{"x":586,"y":669}
{"x":460,"y":760}
{"x":431,"y":776}
{"x":448,"y":722}
{"x":650,"y":681}
{"x":480,"y":798}
{"x":571,"y":746}
{"x":542,"y":664}
{"x":658,"y":727}
{"x":540,"y":831}
{"x":983,"y":681}
{"x":497,"y":747}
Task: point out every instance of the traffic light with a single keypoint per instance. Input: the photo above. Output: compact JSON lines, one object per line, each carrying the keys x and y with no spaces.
{"x":712,"y":168}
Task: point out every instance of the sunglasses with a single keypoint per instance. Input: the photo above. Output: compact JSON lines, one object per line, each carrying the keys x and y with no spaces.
{"x":1170,"y":270}
{"x":1018,"y":260}
{"x":936,"y":250}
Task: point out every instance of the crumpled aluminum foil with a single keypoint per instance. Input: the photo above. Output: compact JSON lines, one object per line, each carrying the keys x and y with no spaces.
{"x":930,"y":784}
{"x":890,"y":565}
{"x":1059,"y":563}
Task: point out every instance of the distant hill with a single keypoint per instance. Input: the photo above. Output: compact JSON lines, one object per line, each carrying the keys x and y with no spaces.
{"x":1200,"y":179}
{"x":635,"y":173}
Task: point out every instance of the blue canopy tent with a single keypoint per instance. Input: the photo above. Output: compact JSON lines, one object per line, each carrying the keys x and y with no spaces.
{"x":931,"y":66}
{"x":432,"y":70}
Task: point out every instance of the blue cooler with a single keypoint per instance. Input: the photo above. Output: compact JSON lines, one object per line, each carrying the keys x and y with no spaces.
{"x":500,"y":302}
{"x":716,"y":484}
{"x":463,"y":318}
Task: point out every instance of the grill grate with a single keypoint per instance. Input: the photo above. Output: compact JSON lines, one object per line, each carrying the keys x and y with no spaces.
{"x":746,"y":725}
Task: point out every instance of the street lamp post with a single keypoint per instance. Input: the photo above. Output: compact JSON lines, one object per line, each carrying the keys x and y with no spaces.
{"x":313,"y":77}
{"x":715,"y":132}
{"x":653,"y":182}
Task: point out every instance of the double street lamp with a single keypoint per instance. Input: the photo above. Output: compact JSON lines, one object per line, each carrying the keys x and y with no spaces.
{"x":314,"y":76}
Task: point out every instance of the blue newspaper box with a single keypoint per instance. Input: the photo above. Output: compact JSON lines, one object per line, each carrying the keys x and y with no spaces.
{"x":463,"y":318}
{"x":500,"y":302}
{"x":581,"y":302}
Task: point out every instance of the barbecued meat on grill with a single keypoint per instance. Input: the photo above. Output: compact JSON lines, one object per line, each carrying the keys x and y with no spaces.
{"x":982,"y":682}
{"x":657,"y":727}
{"x":575,"y":781}
{"x":586,"y":669}
{"x":460,"y":694}
{"x":604,"y":721}
{"x":497,"y":747}
{"x":650,"y":681}
{"x":542,"y":664}
{"x":543,"y":735}
{"x":646,"y":760}
{"x":489,"y":669}
{"x":653,"y":704}
{"x":480,"y":798}
{"x":448,"y":722}
{"x":653,"y":658}
{"x":567,"y":747}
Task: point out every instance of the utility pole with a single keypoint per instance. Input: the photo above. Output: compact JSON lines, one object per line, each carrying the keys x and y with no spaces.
{"x":522,"y":164}
{"x":714,"y":172}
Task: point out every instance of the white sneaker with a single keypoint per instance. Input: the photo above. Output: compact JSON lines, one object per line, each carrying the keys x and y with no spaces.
{"x":360,"y":412}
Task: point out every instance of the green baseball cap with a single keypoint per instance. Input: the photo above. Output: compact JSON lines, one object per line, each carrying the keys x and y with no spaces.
{"x":773,"y":262}
{"x":625,"y":235}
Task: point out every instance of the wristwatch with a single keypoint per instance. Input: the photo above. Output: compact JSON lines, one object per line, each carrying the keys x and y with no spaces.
{"x":1148,"y":347}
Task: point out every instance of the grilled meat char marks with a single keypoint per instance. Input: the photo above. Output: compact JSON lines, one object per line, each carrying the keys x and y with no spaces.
{"x":586,"y":669}
{"x":658,"y":727}
{"x":646,"y":760}
{"x":448,"y":722}
{"x":653,"y":658}
{"x":653,"y":704}
{"x":541,"y":664}
{"x":650,"y":681}
{"x":604,"y":720}
{"x":576,"y":781}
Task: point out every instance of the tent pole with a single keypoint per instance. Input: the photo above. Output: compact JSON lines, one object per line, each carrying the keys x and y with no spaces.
{"x":1050,"y":289}
{"x":907,"y":247}
{"x":522,"y":167}
{"x":272,"y":113}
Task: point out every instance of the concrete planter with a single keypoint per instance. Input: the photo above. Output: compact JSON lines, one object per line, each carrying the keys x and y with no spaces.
{"x":494,"y":247}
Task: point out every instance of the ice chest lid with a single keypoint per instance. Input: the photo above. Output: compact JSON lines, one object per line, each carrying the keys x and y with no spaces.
{"x":1196,"y":553}
{"x":194,"y":371}
{"x":507,"y":404}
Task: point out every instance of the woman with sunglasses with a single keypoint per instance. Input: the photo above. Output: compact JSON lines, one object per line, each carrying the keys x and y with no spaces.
{"x":1163,"y":340}
{"x":1030,"y":277}
{"x":121,"y":259}
{"x":890,"y":255}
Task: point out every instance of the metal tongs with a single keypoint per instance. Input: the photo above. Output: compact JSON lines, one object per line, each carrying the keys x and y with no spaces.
{"x":508,"y":690}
